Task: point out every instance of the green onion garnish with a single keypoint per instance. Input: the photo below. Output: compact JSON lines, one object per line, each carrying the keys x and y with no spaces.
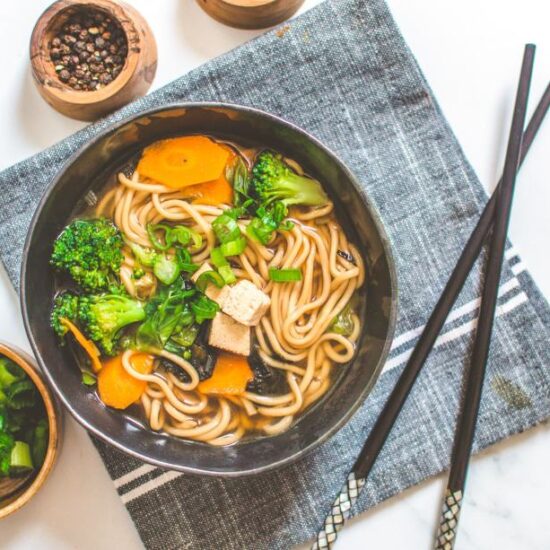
{"x":226,"y":228}
{"x":233,"y":248}
{"x":20,"y":460}
{"x":155,"y":241}
{"x":227,"y":273}
{"x":88,"y":379}
{"x":209,"y":277}
{"x":289,"y":275}
{"x":217,"y":257}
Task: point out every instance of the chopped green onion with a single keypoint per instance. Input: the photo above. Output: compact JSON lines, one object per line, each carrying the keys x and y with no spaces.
{"x":152,"y":232}
{"x":222,"y":265}
{"x":217,"y":257}
{"x":20,"y":459}
{"x":343,"y":322}
{"x":183,"y":235}
{"x":234,"y":248}
{"x":166,"y":269}
{"x":285,"y":275}
{"x":209,"y":277}
{"x":227,"y":273}
{"x":226,"y":228}
{"x":88,"y":379}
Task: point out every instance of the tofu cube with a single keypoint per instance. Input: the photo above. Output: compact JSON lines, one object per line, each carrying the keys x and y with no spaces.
{"x":246,"y":303}
{"x":213,"y":292}
{"x":229,"y":335}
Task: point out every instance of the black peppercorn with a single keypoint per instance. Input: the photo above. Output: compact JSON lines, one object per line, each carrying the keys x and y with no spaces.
{"x":89,"y":50}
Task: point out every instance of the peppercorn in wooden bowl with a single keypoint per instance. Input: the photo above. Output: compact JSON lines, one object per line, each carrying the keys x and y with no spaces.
{"x":90,"y":58}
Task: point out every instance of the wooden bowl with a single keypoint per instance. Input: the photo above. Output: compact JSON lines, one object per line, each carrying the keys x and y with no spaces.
{"x":24,"y":494}
{"x":250,"y":14}
{"x":133,"y":81}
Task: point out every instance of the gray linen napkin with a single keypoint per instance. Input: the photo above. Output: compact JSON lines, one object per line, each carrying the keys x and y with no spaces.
{"x":343,"y":72}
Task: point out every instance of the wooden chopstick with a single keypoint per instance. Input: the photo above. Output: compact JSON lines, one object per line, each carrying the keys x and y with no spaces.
{"x":469,"y":409}
{"x":340,"y":509}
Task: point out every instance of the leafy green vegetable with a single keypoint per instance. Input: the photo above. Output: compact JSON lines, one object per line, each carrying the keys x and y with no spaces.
{"x":172,"y":316}
{"x":204,"y":308}
{"x":185,"y":262}
{"x":90,"y":251}
{"x":240,"y":181}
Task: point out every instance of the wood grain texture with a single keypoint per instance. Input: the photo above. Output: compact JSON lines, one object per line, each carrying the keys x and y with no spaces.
{"x":134,"y":80}
{"x":19,"y":498}
{"x":250,"y":14}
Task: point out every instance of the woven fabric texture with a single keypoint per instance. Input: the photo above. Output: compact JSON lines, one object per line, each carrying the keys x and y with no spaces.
{"x":343,"y":72}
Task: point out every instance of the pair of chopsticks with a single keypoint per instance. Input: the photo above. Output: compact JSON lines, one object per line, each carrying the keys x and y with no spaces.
{"x":495,"y":216}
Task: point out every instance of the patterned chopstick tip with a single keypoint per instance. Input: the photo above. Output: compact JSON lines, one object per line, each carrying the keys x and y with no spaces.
{"x":339,"y":513}
{"x":446,"y":534}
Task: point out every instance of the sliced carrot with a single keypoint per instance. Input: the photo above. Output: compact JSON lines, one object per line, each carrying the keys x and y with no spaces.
{"x":87,"y":345}
{"x":116,"y":387}
{"x":231,"y":374}
{"x":184,"y":161}
{"x":215,"y":192}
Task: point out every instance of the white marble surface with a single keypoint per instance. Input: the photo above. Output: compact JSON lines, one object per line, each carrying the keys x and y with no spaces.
{"x":470,"y":52}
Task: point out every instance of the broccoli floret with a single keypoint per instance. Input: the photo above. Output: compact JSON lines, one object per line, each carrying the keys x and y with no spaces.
{"x":103,"y":316}
{"x":274,"y":180}
{"x":65,"y":306}
{"x":91,"y":252}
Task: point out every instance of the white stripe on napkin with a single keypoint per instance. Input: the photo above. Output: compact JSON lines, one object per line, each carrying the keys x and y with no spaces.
{"x":455,"y":313}
{"x":134,"y":474}
{"x":149,"y":486}
{"x":457,"y":332}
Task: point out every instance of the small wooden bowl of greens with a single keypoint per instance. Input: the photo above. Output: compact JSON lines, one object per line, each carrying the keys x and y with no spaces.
{"x":29,"y":430}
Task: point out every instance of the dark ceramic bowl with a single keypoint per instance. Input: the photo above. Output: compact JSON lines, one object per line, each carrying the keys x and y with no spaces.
{"x":89,"y":168}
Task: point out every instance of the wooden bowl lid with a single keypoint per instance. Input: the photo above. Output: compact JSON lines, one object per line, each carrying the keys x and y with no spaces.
{"x":250,"y":14}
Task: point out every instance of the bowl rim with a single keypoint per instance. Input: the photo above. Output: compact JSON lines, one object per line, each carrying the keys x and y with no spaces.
{"x":373,"y":211}
{"x":53,"y":412}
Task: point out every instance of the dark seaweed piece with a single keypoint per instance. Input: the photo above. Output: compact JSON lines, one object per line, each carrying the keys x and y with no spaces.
{"x":346,"y":255}
{"x":267,"y":380}
{"x":203,"y":360}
